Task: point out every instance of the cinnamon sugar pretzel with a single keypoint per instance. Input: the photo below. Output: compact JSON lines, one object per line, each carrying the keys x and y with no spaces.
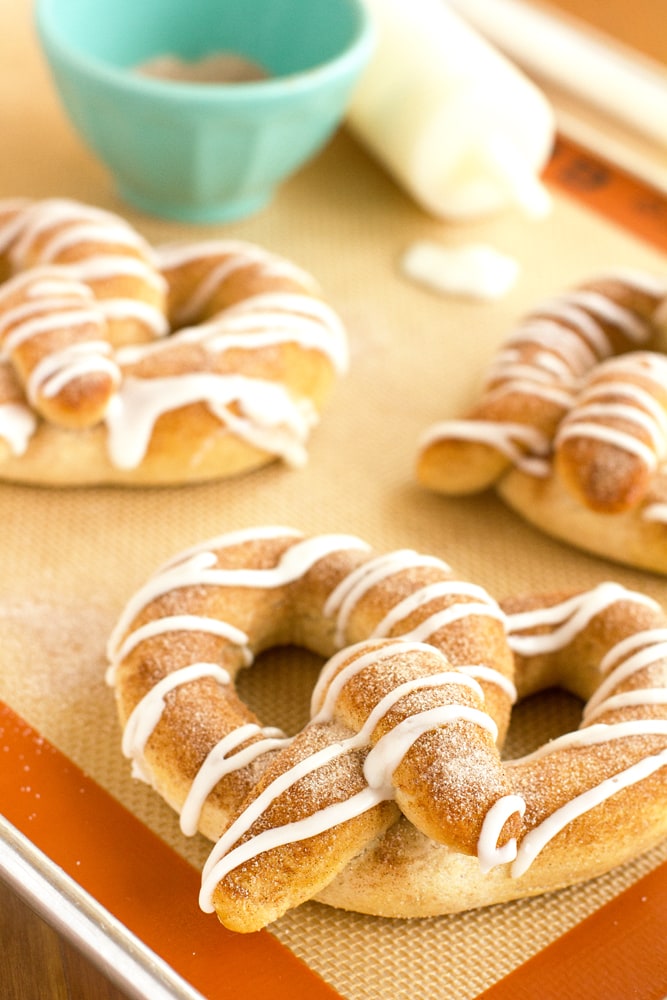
{"x":393,"y":799}
{"x":571,"y":425}
{"x":125,"y":363}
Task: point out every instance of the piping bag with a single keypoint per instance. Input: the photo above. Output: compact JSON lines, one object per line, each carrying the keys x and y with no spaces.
{"x":461,"y":128}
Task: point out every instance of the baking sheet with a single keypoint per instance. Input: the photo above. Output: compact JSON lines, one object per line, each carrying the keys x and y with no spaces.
{"x":70,"y":559}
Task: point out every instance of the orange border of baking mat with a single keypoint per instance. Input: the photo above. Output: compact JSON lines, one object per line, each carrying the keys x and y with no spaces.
{"x":620,"y":951}
{"x":609,"y":191}
{"x":136,"y":876}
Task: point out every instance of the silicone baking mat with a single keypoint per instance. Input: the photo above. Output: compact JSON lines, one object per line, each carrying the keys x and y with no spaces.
{"x":70,"y":559}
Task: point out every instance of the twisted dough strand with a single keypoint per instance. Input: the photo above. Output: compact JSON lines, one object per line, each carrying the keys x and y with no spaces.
{"x":611,"y":442}
{"x":98,"y":248}
{"x":56,"y":337}
{"x":534,"y":379}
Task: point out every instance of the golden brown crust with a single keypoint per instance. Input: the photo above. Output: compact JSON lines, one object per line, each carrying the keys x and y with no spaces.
{"x":382,"y":802}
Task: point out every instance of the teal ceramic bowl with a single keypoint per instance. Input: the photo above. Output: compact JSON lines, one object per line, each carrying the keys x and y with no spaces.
{"x":204,"y":152}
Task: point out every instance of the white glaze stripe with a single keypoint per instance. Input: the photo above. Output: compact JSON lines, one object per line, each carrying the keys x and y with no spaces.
{"x":536,"y":839}
{"x":70,"y":320}
{"x":571,"y":616}
{"x":148,"y":711}
{"x":389,"y":751}
{"x":222,"y":760}
{"x":627,"y":699}
{"x":55,"y":371}
{"x":430,"y":592}
{"x":609,"y":435}
{"x":600,"y":732}
{"x":480,"y":672}
{"x":17,"y":425}
{"x":332,"y":679}
{"x":458,"y":612}
{"x":512,"y":440}
{"x":193,"y":569}
{"x":645,"y":657}
{"x":178,"y":623}
{"x":272,"y":420}
{"x":291,"y":833}
{"x":344,"y":598}
{"x":623,"y":660}
{"x":488,"y":852}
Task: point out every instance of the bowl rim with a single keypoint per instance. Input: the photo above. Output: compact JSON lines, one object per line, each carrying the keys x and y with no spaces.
{"x":356,"y":53}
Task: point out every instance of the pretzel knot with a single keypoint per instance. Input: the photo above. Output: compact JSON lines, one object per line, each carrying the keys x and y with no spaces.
{"x":171,"y":364}
{"x":393,"y":798}
{"x":571,"y":424}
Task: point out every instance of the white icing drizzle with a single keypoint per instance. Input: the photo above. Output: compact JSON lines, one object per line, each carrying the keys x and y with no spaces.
{"x":119,"y":309}
{"x":641,"y":405}
{"x":55,"y":303}
{"x":621,"y":662}
{"x":11,"y":227}
{"x":84,"y":223}
{"x":235,"y":254}
{"x":147,"y":713}
{"x":389,"y":751}
{"x":643,"y":281}
{"x":609,"y":435}
{"x":600,"y":732}
{"x":505,"y":437}
{"x":426,"y":594}
{"x":17,"y":425}
{"x":196,"y":568}
{"x":447,"y":616}
{"x":571,"y":351}
{"x":272,"y":420}
{"x":571,"y":617}
{"x":539,"y":837}
{"x":222,"y":759}
{"x":71,"y":319}
{"x":654,"y":652}
{"x":55,"y":371}
{"x":603,"y":308}
{"x":332,"y":679}
{"x":488,"y":852}
{"x":482,"y":672}
{"x":570,"y":332}
{"x":177,"y":623}
{"x":219,"y":863}
{"x":344,"y":598}
{"x":656,"y":512}
{"x":251,"y":326}
{"x":264,"y":414}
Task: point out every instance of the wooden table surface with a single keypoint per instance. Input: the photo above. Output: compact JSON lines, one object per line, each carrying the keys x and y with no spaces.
{"x":36,"y":963}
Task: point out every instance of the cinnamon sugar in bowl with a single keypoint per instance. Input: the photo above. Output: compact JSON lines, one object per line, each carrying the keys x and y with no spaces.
{"x":201,"y":109}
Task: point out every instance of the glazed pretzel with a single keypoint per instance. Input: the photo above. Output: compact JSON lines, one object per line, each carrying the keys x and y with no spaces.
{"x":92,"y":322}
{"x":571,"y":426}
{"x":395,"y":787}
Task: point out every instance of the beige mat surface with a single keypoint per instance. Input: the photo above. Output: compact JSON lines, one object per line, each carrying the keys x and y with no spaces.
{"x":70,"y":559}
